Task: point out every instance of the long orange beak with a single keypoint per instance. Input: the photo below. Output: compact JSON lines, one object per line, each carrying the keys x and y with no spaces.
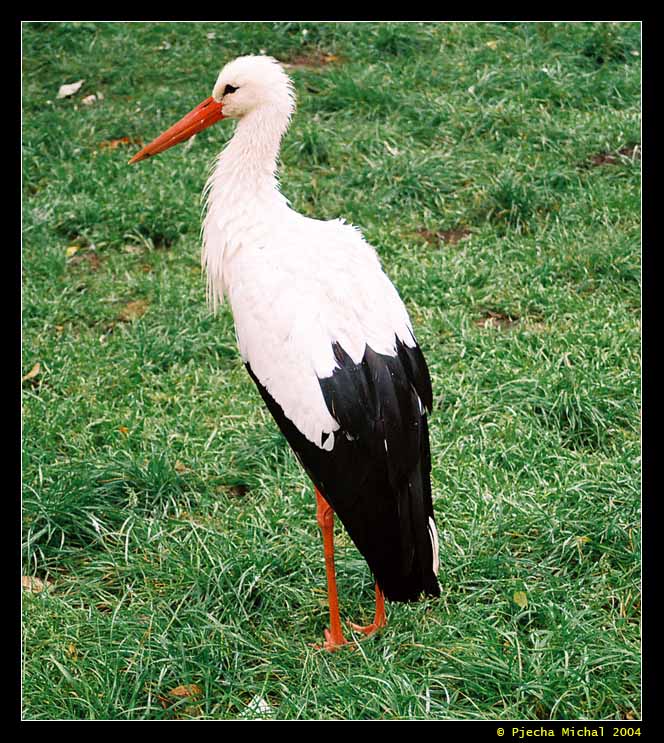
{"x":204,"y":115}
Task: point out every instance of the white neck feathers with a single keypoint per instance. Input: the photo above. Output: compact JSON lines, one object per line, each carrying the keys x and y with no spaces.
{"x":242,"y":193}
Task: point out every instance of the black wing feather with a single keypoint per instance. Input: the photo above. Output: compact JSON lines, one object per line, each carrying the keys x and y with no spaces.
{"x":377,"y":475}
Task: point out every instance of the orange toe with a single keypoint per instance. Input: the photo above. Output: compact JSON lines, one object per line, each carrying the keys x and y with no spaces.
{"x":332,"y":642}
{"x":366,"y":629}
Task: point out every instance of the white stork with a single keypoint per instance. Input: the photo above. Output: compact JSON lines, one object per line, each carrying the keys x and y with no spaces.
{"x":326,"y":339}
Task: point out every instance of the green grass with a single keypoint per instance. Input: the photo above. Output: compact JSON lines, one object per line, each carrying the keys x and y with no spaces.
{"x":173,"y":529}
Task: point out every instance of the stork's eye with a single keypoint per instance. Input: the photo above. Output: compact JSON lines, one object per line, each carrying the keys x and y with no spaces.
{"x":229,"y":89}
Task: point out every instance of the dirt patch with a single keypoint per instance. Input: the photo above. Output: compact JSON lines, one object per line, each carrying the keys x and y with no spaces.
{"x":449,"y":237}
{"x":633,"y":152}
{"x":233,"y":491}
{"x":133,"y":310}
{"x":497,"y":320}
{"x":90,"y":259}
{"x":312,"y":60}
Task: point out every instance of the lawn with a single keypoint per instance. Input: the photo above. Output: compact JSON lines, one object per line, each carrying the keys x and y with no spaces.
{"x":172,"y":563}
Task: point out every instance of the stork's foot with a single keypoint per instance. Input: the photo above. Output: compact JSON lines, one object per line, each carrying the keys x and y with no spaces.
{"x":380,"y":618}
{"x":368,"y":629}
{"x":334,"y":637}
{"x":332,"y":641}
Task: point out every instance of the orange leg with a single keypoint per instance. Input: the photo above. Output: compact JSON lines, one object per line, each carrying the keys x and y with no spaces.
{"x":380,"y":620}
{"x":334,"y":637}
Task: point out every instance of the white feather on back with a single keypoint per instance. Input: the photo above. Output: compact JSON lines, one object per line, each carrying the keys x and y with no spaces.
{"x":297,"y":291}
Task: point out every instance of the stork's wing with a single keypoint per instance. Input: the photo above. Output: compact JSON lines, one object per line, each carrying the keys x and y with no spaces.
{"x":294,"y":299}
{"x":376,"y":474}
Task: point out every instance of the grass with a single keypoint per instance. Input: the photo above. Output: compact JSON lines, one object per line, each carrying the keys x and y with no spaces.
{"x":170,"y":534}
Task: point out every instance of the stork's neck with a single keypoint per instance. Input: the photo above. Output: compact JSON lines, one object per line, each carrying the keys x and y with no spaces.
{"x":243,"y":200}
{"x":249,"y":161}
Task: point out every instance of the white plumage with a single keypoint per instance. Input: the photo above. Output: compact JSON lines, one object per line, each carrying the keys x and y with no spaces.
{"x":295,"y":285}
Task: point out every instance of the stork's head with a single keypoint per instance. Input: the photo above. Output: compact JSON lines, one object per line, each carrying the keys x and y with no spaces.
{"x":248,"y":83}
{"x":245,"y":85}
